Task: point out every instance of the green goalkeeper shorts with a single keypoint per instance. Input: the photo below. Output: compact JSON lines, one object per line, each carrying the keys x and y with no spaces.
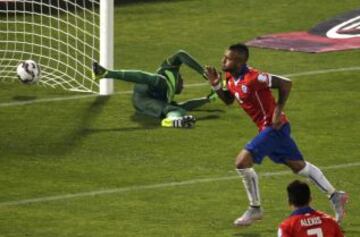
{"x":146,"y":101}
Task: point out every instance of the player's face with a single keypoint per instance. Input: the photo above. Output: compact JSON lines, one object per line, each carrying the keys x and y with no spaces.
{"x":232,"y":61}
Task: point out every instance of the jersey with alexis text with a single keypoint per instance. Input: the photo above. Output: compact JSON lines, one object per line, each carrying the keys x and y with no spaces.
{"x":252,"y":91}
{"x":307,"y":222}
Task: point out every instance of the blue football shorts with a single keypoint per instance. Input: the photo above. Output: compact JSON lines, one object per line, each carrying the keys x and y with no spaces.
{"x":276,"y":144}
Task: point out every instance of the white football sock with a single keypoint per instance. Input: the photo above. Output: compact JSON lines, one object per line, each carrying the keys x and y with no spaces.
{"x":251,"y":184}
{"x":317,"y":177}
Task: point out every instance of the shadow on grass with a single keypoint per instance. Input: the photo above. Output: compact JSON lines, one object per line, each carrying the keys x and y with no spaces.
{"x":87,"y":117}
{"x":59,"y":134}
{"x":207,"y":117}
{"x":123,"y":129}
{"x":24,"y":98}
{"x":59,"y":137}
{"x":210,"y":110}
{"x":145,"y":123}
{"x":247,"y":234}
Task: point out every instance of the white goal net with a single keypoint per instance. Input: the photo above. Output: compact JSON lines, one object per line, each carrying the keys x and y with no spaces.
{"x":62,"y":36}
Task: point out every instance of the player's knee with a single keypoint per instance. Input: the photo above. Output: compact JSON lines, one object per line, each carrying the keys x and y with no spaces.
{"x":296,"y":165}
{"x":181,"y":51}
{"x":244,"y":160}
{"x":181,"y":55}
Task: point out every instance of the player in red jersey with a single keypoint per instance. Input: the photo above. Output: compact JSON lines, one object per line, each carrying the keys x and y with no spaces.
{"x":305,"y":221}
{"x":252,"y":90}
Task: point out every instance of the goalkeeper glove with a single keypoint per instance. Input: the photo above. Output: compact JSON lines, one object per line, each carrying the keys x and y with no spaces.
{"x":98,"y":71}
{"x":212,"y":96}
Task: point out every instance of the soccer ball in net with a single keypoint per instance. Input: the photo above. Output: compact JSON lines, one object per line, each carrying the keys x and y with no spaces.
{"x":28,"y":72}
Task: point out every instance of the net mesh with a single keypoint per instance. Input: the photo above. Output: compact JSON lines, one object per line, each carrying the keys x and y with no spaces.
{"x":62,"y":36}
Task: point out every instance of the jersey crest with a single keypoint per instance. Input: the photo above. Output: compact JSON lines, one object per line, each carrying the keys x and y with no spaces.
{"x":244,"y":88}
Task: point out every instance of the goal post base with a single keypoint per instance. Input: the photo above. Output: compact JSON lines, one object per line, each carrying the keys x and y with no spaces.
{"x":106,"y":86}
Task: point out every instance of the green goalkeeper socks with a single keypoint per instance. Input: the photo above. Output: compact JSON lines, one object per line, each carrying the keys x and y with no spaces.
{"x":212,"y":96}
{"x":135,"y":76}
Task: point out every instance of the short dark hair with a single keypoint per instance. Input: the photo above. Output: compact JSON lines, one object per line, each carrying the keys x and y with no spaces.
{"x":298,"y":193}
{"x":241,"y":48}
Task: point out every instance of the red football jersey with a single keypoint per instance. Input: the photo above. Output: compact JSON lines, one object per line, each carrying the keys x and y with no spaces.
{"x":307,"y":222}
{"x":252,"y":91}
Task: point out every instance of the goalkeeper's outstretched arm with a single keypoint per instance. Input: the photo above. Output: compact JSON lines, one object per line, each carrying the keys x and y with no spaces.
{"x":182,"y":57}
{"x":194,"y":103}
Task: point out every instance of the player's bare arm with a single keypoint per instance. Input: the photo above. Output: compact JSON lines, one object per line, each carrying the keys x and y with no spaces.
{"x":214,"y":78}
{"x":283,"y":85}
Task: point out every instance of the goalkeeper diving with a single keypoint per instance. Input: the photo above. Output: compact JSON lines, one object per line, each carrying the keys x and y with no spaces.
{"x":154,"y":92}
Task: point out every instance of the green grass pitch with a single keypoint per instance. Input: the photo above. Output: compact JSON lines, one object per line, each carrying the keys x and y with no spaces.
{"x":86,"y":166}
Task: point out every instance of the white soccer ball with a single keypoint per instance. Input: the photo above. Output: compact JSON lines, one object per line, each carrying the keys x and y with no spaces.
{"x":28,"y":72}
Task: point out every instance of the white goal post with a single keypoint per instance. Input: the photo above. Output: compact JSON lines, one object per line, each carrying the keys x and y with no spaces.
{"x":107,"y":43}
{"x":63,"y":36}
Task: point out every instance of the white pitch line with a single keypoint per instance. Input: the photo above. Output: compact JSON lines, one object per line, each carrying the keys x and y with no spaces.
{"x":155,"y":186}
{"x":317,"y":72}
{"x":64,"y":98}
{"x":17,"y":103}
{"x":76,"y":97}
{"x":298,"y":74}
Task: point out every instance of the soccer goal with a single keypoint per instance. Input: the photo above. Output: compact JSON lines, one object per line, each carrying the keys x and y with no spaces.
{"x":63,"y":36}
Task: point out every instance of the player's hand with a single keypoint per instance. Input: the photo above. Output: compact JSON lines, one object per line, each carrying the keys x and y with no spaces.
{"x":276,"y":121}
{"x":212,"y":75}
